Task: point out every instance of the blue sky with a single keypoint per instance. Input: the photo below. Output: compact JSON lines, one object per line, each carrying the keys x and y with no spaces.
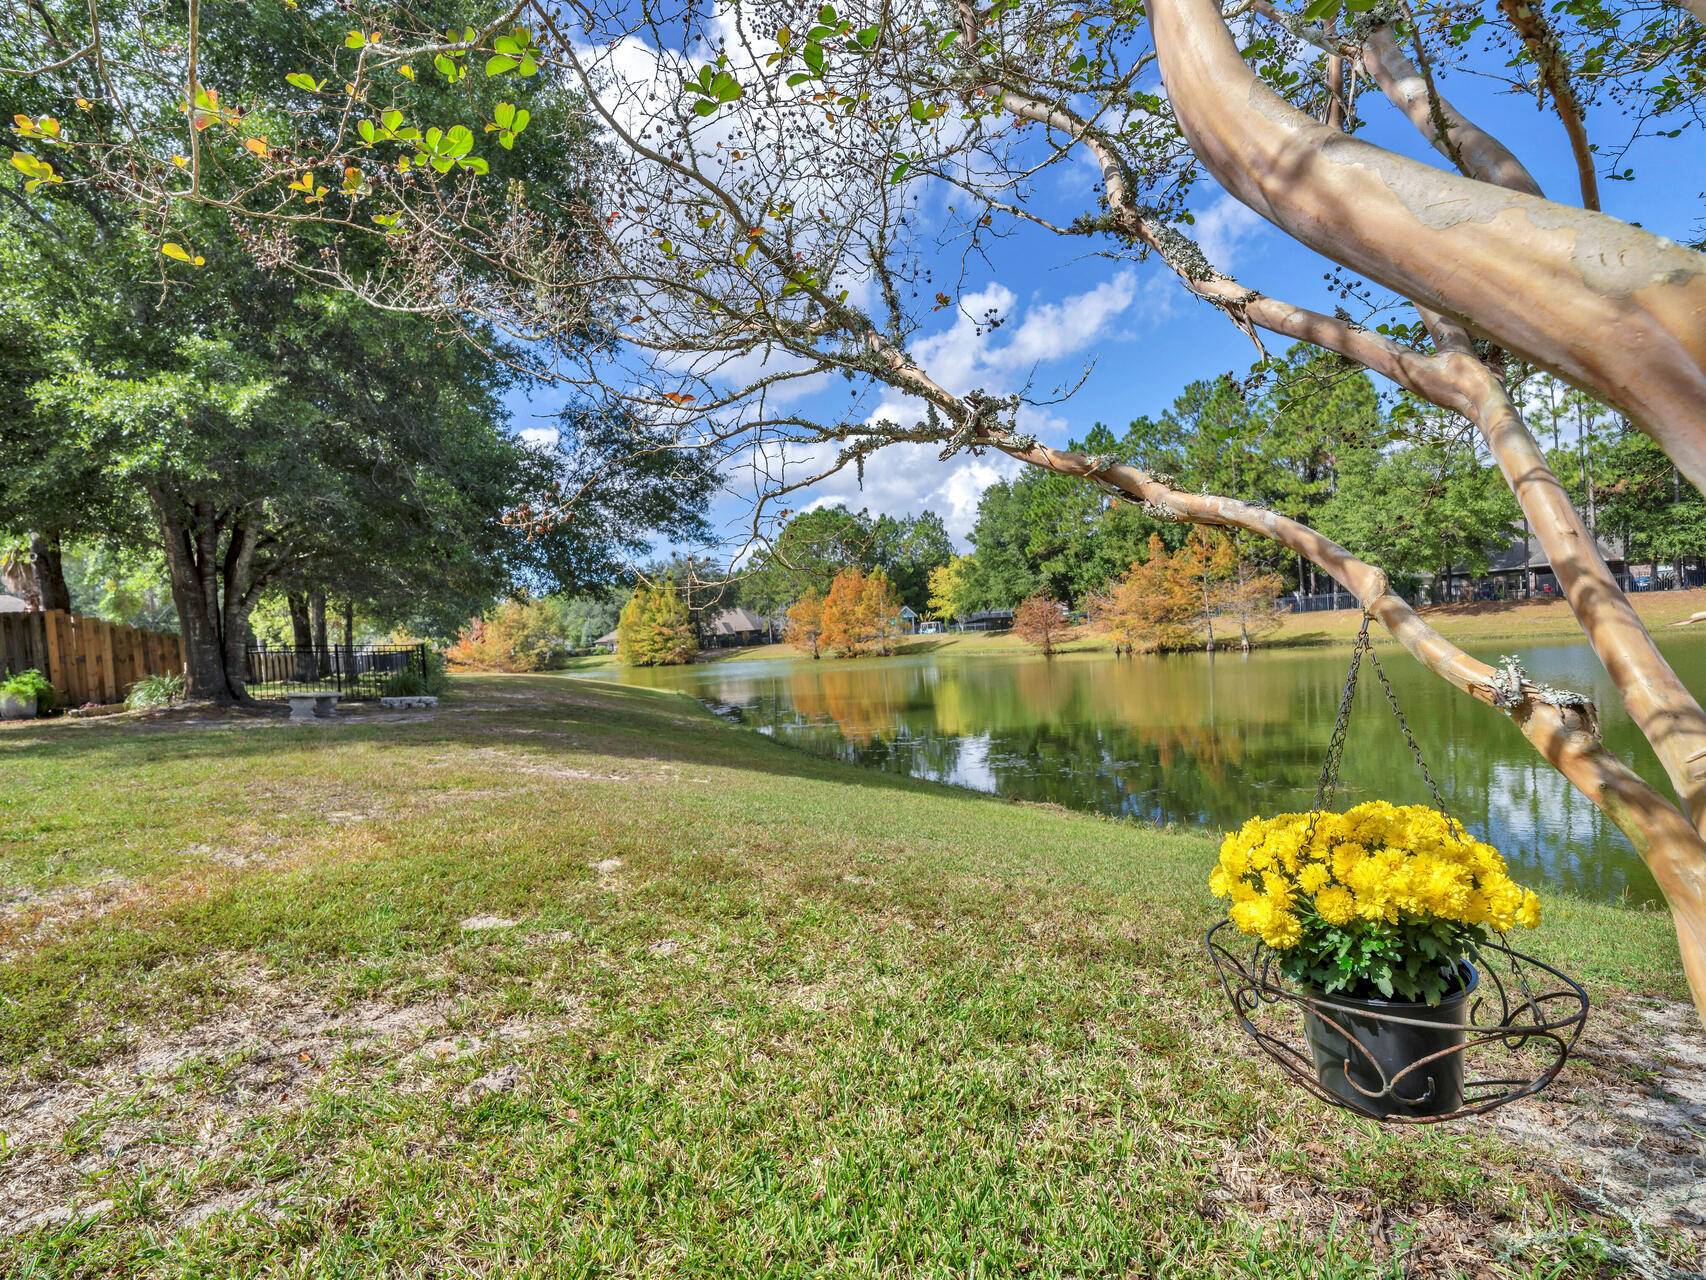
{"x":1141,"y":337}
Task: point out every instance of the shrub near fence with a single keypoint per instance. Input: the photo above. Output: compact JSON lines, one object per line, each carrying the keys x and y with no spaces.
{"x":86,"y":659}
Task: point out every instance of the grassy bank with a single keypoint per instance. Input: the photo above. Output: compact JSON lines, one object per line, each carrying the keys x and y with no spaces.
{"x":574,"y":979}
{"x":1524,"y":620}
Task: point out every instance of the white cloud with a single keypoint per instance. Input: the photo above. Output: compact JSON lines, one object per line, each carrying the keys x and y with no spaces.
{"x":539,"y":435}
{"x":971,"y":354}
{"x":1222,"y":230}
{"x":1054,"y":330}
{"x":909,"y":479}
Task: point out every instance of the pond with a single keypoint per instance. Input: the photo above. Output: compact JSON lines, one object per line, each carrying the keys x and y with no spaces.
{"x":1205,"y":740}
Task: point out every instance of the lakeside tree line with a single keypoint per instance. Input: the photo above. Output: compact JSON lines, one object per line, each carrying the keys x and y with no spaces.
{"x":1399,"y":484}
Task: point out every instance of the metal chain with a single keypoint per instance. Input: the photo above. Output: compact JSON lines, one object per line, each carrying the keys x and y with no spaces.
{"x":1415,"y":750}
{"x":1329,"y":780}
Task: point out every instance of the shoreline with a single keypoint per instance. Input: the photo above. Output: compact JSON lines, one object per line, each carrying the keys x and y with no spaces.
{"x":1485,"y":622}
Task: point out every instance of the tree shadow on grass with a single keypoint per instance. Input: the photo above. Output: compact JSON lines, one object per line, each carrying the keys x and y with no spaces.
{"x":540,"y":717}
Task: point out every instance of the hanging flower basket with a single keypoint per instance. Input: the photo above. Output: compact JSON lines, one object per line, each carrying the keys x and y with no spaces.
{"x":1383,"y":927}
{"x":1401,"y":1064}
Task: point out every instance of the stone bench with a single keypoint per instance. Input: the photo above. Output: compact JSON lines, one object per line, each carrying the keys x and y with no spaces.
{"x":409,"y":702}
{"x":305,"y":708}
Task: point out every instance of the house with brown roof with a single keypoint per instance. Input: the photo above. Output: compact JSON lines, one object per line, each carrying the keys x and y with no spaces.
{"x":736,"y":628}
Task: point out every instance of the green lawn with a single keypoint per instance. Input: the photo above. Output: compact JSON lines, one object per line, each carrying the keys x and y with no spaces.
{"x":736,"y":1011}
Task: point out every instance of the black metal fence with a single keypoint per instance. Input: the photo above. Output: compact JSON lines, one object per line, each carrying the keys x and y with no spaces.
{"x":360,"y":675}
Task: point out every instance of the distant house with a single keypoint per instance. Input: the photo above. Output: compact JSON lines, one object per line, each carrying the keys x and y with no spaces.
{"x":909,"y":620}
{"x":606,"y":643}
{"x":987,"y":620}
{"x":1522,"y":567}
{"x":736,"y":628}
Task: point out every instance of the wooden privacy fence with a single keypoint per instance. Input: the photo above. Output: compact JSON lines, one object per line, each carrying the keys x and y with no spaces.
{"x":85,"y":659}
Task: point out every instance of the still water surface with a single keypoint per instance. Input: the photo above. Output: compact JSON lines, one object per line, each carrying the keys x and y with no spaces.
{"x":1205,"y":740}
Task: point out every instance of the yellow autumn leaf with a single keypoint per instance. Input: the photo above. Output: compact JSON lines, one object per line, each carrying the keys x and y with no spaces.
{"x":257,"y":145}
{"x":178,"y":253}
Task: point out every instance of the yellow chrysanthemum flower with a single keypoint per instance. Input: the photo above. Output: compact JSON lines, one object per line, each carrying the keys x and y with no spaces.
{"x":1374,"y":862}
{"x":1335,"y":905}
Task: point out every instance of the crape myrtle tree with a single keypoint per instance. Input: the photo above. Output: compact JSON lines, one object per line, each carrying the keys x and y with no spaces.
{"x":756,"y":178}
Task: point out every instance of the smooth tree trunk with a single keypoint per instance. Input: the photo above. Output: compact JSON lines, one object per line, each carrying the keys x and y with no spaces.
{"x":47,"y":563}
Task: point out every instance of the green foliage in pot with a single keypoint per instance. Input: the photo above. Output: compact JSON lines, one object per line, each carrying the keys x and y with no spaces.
{"x":31,"y":684}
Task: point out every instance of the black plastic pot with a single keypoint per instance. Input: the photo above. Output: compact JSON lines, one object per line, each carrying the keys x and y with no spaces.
{"x":1391,"y":1057}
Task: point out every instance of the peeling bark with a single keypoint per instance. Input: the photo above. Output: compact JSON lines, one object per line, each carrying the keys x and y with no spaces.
{"x":1477,"y":153}
{"x":1610,"y":308}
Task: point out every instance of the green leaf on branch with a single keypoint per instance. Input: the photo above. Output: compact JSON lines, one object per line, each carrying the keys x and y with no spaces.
{"x":714,"y":87}
{"x":302,"y":80}
{"x":514,"y":52}
{"x":507,"y":121}
{"x":36,"y":170}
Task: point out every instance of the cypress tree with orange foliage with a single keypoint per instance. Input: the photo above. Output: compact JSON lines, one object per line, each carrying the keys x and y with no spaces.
{"x":841,"y":631}
{"x":861,"y":613}
{"x":1156,"y":605}
{"x":1207,"y":558}
{"x":1040,"y":621}
{"x":879,"y":610}
{"x":805,"y":624}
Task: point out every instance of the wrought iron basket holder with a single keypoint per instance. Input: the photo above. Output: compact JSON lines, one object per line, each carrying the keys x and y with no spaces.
{"x":1522,"y":1020}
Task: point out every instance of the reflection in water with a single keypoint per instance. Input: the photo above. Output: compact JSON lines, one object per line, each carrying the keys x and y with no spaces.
{"x":1202,"y":740}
